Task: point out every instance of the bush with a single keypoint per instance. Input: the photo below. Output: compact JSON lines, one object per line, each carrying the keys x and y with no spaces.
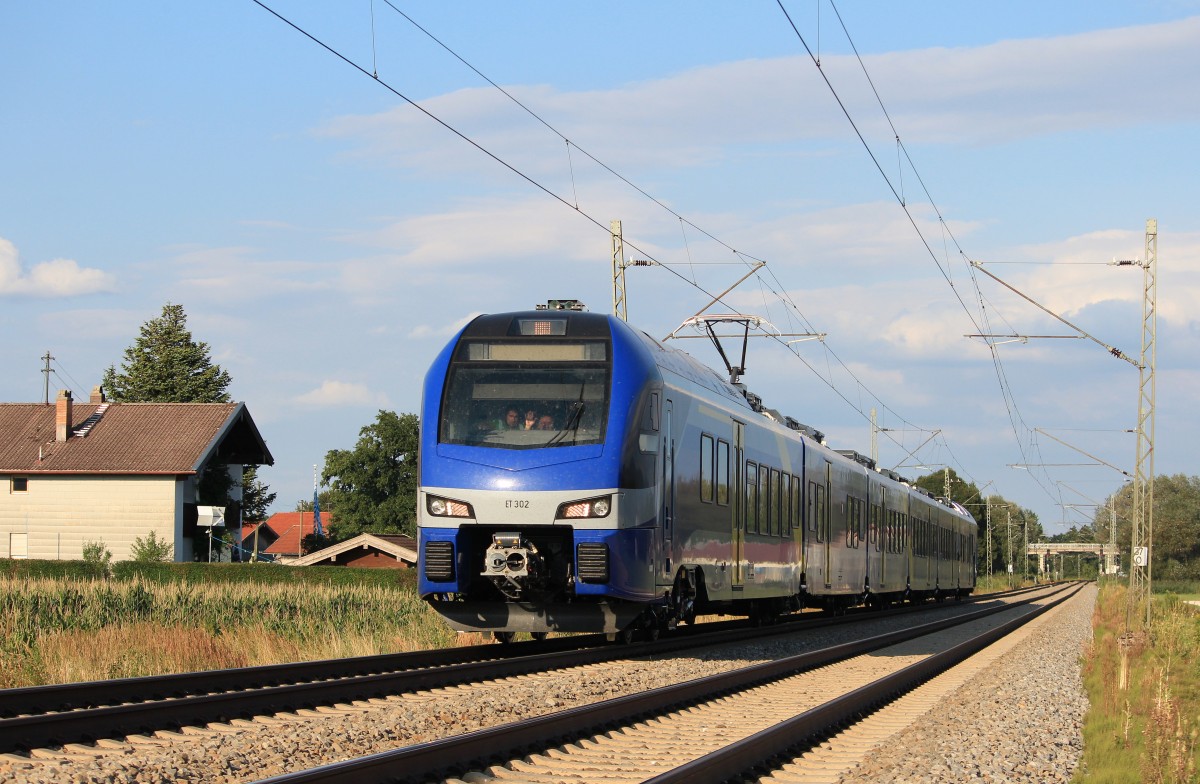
{"x":152,"y":549}
{"x":197,"y":573}
{"x":98,"y":558}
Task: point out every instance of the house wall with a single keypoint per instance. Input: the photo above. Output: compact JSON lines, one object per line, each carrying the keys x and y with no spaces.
{"x":57,"y":515}
{"x":369,"y":559}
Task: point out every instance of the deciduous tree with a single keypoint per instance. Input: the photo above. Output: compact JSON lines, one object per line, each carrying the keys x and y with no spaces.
{"x":374,"y":486}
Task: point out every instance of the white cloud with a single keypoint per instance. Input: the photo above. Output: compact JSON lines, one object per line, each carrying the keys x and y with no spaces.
{"x":980,"y":95}
{"x":55,"y":278}
{"x":446,"y":330}
{"x":236,"y":272}
{"x":333,"y":394}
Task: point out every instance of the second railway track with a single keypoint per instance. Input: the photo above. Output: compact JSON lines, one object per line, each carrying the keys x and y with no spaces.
{"x":709,"y":730}
{"x":73,"y":713}
{"x":330,"y":733}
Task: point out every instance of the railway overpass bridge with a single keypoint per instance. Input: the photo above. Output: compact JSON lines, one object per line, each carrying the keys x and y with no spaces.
{"x":1047,"y":550}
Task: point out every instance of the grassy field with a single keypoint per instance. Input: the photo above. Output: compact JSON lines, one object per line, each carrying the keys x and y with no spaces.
{"x":68,"y":628}
{"x":1144,"y":688}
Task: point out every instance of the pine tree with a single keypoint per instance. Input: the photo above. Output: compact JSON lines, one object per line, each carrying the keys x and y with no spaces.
{"x":166,"y":365}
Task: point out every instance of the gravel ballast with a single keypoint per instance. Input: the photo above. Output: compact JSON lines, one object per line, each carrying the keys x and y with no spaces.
{"x":1021,"y":720}
{"x":1041,"y":698}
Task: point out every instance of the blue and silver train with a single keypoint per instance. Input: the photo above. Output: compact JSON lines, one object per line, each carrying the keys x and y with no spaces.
{"x":577,"y":475}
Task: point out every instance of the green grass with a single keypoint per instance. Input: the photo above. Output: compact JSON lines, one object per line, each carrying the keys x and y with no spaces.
{"x":1147,"y":730}
{"x":58,"y":626}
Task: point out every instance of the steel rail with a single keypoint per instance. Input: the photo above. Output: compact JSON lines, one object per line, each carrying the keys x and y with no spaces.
{"x":49,"y":716}
{"x":820,"y":722}
{"x":475,"y":750}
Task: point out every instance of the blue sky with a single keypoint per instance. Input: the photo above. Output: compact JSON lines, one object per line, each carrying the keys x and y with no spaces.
{"x":326,"y":238}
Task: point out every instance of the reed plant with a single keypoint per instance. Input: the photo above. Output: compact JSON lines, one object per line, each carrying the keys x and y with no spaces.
{"x":58,"y":629}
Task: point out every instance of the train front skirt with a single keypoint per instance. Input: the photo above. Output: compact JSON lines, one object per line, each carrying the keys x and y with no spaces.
{"x":607,"y":617}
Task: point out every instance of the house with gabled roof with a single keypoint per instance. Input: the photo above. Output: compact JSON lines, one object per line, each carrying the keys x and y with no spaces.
{"x":73,"y":473}
{"x":281,"y":536}
{"x":369,"y":551}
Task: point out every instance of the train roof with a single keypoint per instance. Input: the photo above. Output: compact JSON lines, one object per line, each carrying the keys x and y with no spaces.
{"x":567,"y":319}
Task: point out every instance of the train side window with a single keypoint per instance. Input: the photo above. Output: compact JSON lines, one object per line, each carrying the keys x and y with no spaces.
{"x":852,"y":522}
{"x":767,"y":499}
{"x":812,"y":513}
{"x":797,"y":506}
{"x":751,"y":497}
{"x":722,"y":473}
{"x":775,"y":502}
{"x":764,"y":500}
{"x":706,"y":468}
{"x":876,"y":529}
{"x":785,"y":501}
{"x":650,"y":422}
{"x":819,"y":515}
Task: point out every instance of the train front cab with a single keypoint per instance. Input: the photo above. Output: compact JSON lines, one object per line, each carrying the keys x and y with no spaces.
{"x":539,"y":530}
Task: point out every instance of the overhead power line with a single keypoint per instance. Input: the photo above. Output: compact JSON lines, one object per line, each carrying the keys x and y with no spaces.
{"x":743,"y":257}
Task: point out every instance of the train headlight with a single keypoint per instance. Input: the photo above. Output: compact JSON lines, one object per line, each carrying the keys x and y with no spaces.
{"x":444,"y":507}
{"x":593,"y":507}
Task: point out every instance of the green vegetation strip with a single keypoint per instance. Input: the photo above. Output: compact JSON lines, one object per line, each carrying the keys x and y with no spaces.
{"x":1144,"y":689}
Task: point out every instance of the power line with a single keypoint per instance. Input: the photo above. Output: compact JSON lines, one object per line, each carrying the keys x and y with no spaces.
{"x":684,"y":222}
{"x":744,"y":258}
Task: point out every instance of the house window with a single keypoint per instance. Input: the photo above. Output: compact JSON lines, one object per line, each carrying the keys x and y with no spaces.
{"x":20,"y":484}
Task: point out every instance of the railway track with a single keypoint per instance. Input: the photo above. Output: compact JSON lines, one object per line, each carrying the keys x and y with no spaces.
{"x":709,"y":730}
{"x":56,"y":716}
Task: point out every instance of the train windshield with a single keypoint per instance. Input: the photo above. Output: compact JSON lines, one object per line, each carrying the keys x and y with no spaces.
{"x":522,"y":394}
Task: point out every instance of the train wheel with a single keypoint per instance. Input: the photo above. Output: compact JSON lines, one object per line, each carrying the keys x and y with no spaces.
{"x":539,"y":635}
{"x":504,"y":638}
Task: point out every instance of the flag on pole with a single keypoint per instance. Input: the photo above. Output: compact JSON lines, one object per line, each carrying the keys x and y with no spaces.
{"x":317,"y":529}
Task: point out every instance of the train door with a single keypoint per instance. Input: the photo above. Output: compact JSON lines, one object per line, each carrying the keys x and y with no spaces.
{"x":824,"y":530}
{"x":874,"y":536}
{"x":667,"y":512}
{"x":737,"y":497}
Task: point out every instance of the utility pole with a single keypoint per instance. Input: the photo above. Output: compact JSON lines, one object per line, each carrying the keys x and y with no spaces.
{"x":987,"y":511}
{"x":46,"y":381}
{"x":618,"y":266}
{"x":1142,"y":539}
{"x":1024,"y":551}
{"x":1011,"y":572}
{"x":1112,"y":535}
{"x":874,"y":438}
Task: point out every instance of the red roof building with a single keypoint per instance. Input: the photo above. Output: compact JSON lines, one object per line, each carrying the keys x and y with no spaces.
{"x":282,"y":534}
{"x":73,"y":474}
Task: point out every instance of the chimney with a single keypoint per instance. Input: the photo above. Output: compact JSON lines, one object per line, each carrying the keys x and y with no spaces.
{"x":62,"y":415}
{"x":97,"y":394}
